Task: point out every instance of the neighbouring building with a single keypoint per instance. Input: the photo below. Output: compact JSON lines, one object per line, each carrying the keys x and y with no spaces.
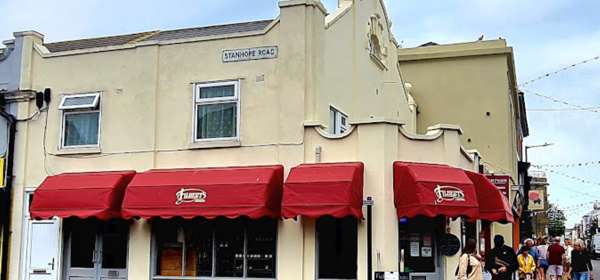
{"x":10,"y":73}
{"x":276,"y":149}
{"x":474,"y":85}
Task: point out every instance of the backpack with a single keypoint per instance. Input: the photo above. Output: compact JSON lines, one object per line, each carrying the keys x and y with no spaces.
{"x":469,"y":268}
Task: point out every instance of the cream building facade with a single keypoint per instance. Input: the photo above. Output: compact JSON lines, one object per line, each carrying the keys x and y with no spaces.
{"x":307,"y":87}
{"x":473,"y":85}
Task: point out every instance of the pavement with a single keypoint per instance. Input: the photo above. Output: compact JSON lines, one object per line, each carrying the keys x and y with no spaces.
{"x":596,"y":272}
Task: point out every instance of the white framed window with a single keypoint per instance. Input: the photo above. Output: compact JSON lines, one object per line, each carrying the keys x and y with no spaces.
{"x":217,"y":111}
{"x":80,"y":120}
{"x":338,"y":121}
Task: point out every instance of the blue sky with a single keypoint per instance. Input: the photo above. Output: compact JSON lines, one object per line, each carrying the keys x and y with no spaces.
{"x":546,"y":35}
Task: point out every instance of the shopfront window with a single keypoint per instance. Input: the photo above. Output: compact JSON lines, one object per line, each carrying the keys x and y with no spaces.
{"x":418,"y":243}
{"x":337,"y":248}
{"x":239,"y":248}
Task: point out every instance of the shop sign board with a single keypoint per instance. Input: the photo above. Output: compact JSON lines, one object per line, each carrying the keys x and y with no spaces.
{"x":190,"y":196}
{"x":502,"y":182}
{"x":390,"y":275}
{"x":536,"y":200}
{"x":256,"y":53}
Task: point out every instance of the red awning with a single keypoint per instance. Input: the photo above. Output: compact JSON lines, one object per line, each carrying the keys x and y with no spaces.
{"x":315,"y":190}
{"x":493,"y":205}
{"x":432,"y":190}
{"x":82,"y":195}
{"x":229,"y":192}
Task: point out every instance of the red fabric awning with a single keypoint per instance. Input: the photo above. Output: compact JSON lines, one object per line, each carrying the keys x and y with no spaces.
{"x":229,"y":192}
{"x":315,"y":190}
{"x":82,"y":195}
{"x":432,"y":190}
{"x":493,"y":205}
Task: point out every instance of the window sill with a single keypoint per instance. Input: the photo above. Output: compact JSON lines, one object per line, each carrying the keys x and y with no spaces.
{"x":79,"y":151}
{"x":215,"y":144}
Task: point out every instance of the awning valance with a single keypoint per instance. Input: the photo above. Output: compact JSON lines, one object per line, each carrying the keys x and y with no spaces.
{"x":325,"y":189}
{"x":493,"y":205}
{"x":230,"y":192}
{"x":82,"y":195}
{"x":432,"y":190}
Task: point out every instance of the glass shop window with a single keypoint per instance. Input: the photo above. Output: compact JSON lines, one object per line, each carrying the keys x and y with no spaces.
{"x":239,"y":248}
{"x":418,"y":243}
{"x":337,"y":248}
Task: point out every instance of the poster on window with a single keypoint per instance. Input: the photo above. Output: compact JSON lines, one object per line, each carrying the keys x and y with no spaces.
{"x":414,"y":249}
{"x":427,"y":240}
{"x":536,"y":200}
{"x":426,"y":252}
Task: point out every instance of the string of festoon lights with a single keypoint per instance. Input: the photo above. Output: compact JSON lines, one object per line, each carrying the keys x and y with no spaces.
{"x":563,"y":102}
{"x":574,"y":178}
{"x":573,"y":164}
{"x":566,"y":68}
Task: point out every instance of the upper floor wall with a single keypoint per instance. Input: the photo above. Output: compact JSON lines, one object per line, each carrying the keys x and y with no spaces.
{"x":155,"y":99}
{"x":472,"y":85}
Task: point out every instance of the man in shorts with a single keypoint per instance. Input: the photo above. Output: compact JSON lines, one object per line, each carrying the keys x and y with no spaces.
{"x":556,"y":259}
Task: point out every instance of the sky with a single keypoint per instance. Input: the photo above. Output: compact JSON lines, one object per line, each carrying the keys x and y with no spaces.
{"x":546,"y":35}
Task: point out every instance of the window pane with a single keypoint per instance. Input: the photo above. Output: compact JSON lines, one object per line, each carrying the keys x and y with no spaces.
{"x":81,"y":129}
{"x":217,"y":91}
{"x":216,"y":121}
{"x":169,"y":244}
{"x":114,"y":244}
{"x":198,"y":248}
{"x":229,"y":242}
{"x":83,"y":244}
{"x":337,"y":240}
{"x":261,"y":248}
{"x":79,"y":101}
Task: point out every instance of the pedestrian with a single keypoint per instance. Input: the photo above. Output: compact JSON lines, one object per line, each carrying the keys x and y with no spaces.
{"x":526,"y":264}
{"x":501,"y":262}
{"x":531,"y":245}
{"x":556,"y":259}
{"x":469,"y":266}
{"x":581,"y":263}
{"x":568,"y":250}
{"x":542,"y":264}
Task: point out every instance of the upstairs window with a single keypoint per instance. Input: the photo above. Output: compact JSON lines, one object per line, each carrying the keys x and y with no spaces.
{"x":81,"y":120}
{"x":338,"y":122}
{"x":217,"y":111}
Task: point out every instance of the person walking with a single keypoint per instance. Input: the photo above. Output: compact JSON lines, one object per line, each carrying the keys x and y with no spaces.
{"x":581,"y":263}
{"x":568,"y":251}
{"x":556,"y":259}
{"x":542,"y":263}
{"x":501,"y":262}
{"x":526,"y":264}
{"x":469,"y":266}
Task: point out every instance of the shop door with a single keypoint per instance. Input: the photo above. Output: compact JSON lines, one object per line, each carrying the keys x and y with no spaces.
{"x":42,"y":250}
{"x":97,"y":251}
{"x":418,"y":248}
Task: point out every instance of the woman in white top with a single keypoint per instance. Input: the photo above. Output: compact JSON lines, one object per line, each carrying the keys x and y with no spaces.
{"x":469,"y":266}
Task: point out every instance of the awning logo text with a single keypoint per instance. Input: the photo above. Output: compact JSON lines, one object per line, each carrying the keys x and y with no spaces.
{"x":448,"y":193}
{"x":190,"y":196}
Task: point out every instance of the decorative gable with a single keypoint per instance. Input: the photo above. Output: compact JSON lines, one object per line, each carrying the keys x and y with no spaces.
{"x":376,"y":47}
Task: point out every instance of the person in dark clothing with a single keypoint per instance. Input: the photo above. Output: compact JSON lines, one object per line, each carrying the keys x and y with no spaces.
{"x":501,"y":262}
{"x":581,"y":264}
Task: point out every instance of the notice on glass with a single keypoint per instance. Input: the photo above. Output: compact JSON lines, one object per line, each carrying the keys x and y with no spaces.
{"x":414,"y":249}
{"x":426,"y":252}
{"x":427,"y":240}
